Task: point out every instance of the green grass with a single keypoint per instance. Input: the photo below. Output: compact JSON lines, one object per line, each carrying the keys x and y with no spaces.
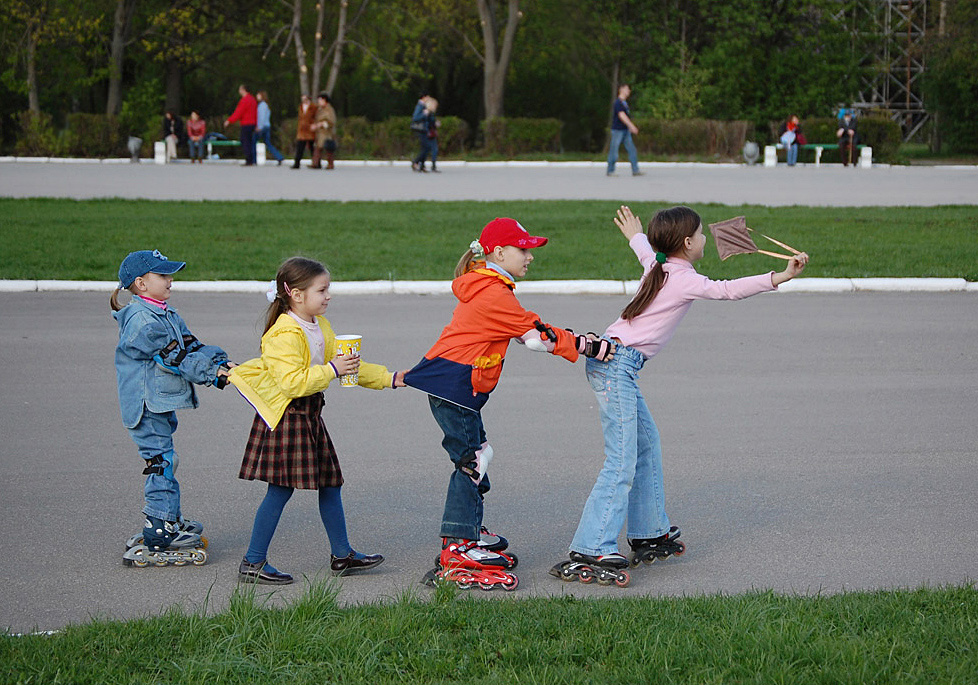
{"x":86,"y":240}
{"x":906,"y":636}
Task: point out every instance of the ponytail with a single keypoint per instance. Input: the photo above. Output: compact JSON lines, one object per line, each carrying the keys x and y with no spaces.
{"x":114,"y":300}
{"x":468,"y":262}
{"x":667,"y":233}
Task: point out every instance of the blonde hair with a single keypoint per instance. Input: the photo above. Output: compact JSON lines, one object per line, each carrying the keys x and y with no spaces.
{"x":114,"y":298}
{"x":296,"y":273}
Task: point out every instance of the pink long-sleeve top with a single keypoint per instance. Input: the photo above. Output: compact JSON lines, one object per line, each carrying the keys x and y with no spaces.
{"x":653,"y":328}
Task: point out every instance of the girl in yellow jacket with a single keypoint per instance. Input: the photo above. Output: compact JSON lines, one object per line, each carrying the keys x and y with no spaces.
{"x":288,"y":446}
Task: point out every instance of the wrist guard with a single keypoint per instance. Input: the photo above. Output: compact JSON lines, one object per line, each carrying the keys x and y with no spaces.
{"x":545,"y":330}
{"x":220,"y":382}
{"x":600,"y":349}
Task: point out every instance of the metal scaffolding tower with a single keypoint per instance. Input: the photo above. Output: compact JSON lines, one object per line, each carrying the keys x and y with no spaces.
{"x":888,"y":36}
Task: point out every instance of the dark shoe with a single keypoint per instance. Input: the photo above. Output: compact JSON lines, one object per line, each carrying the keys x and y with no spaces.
{"x":262,"y":573}
{"x":280,"y":162}
{"x":638,"y":173}
{"x":294,"y":166}
{"x":342,"y":565}
{"x":435,"y":171}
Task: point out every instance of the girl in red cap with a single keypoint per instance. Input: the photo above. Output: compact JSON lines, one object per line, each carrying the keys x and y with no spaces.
{"x":460,"y":371}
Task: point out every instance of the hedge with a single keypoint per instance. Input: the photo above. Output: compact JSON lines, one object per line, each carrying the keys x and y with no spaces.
{"x":513,"y":135}
{"x":690,"y":137}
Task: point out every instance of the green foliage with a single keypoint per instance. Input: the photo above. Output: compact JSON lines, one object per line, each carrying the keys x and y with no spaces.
{"x":952,"y":77}
{"x":38,"y":137}
{"x":512,"y":135}
{"x":94,"y":135}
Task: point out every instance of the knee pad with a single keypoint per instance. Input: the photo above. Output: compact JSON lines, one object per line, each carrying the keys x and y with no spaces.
{"x":162,"y":465}
{"x":477,"y":467}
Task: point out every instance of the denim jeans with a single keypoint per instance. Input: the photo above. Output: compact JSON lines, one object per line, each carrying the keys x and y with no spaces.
{"x":619,"y":136}
{"x":196,"y":148}
{"x":153,"y":436}
{"x":630,"y":481}
{"x":429,"y":147}
{"x":248,"y":143}
{"x":464,"y":434}
{"x":264,"y":135}
{"x":791,"y":154}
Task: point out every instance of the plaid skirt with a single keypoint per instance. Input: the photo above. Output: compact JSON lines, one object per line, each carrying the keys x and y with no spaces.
{"x":298,"y":453}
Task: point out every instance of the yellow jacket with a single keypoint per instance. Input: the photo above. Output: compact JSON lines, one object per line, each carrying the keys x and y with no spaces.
{"x":283,"y":372}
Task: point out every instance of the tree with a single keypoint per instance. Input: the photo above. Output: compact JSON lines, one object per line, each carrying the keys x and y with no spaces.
{"x":121,"y":27}
{"x":496,"y":53}
{"x":952,"y":76}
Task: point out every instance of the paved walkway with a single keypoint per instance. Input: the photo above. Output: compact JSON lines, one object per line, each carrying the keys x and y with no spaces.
{"x":813,"y":442}
{"x":827,"y":185}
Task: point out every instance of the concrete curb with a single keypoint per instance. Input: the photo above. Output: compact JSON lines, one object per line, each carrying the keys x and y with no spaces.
{"x":583,"y":287}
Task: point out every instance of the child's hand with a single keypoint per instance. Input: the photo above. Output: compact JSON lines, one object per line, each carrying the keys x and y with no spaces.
{"x":795,"y":266}
{"x":629,"y":224}
{"x":345,"y":364}
{"x":399,"y":379}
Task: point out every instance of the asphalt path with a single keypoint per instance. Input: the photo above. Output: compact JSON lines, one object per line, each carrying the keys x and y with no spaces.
{"x":826,"y":185}
{"x":813,"y":443}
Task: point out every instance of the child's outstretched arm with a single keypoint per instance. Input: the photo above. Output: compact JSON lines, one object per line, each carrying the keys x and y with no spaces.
{"x":795,"y":266}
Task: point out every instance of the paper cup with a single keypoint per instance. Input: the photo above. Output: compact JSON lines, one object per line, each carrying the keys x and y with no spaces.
{"x":349,"y":346}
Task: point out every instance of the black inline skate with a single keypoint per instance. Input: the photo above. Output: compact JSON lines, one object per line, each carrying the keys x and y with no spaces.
{"x":185,"y":526}
{"x":605,"y":569}
{"x":163,"y":543}
{"x":647,"y":550}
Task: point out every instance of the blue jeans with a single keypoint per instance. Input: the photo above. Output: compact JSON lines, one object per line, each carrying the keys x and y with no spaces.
{"x":248,"y":143}
{"x":153,"y":436}
{"x":264,"y":135}
{"x":619,"y":136}
{"x":630,"y":481}
{"x":196,"y":148}
{"x":464,"y":434}
{"x":791,"y":154}
{"x":429,"y":147}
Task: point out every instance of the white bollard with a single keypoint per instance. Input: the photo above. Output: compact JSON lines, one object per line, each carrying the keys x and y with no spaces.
{"x":159,"y":152}
{"x":260,"y":154}
{"x":866,"y":157}
{"x":770,"y":155}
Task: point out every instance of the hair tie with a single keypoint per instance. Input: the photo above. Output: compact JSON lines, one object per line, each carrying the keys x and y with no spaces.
{"x":478,"y":251}
{"x":660,"y":257}
{"x":272,"y":292}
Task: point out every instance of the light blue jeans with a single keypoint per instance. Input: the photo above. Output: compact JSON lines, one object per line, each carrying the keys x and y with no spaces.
{"x":619,"y":136}
{"x":791,"y":154}
{"x":153,"y":436}
{"x":630,"y":482}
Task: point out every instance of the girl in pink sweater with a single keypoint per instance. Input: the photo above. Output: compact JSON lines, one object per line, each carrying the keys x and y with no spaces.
{"x":630,"y":483}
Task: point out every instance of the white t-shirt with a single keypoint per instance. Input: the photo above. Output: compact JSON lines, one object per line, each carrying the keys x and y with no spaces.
{"x":317,"y":343}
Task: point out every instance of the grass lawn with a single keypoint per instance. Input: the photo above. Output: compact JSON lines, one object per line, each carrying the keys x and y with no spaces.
{"x":86,"y":240}
{"x":912,"y":636}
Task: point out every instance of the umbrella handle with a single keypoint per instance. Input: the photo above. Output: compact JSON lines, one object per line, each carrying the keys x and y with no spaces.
{"x":774,"y":254}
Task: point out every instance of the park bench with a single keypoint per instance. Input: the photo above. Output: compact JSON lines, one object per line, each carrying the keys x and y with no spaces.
{"x":159,"y":149}
{"x":865,"y":153}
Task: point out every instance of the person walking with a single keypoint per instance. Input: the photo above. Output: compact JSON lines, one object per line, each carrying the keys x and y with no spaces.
{"x":622,"y":130}
{"x":325,"y":128}
{"x":263,"y":128}
{"x":305,"y":134}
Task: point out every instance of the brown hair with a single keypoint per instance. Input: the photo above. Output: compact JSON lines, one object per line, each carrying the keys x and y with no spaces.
{"x":114,"y":299}
{"x":296,"y":273}
{"x":667,"y":232}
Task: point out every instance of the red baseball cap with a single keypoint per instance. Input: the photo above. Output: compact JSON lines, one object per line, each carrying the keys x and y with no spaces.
{"x":503,"y":232}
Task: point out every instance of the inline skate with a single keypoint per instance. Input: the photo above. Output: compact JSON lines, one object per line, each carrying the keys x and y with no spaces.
{"x":467,"y":564}
{"x":184,"y":525}
{"x":163,"y":543}
{"x":605,"y":569}
{"x":647,"y":550}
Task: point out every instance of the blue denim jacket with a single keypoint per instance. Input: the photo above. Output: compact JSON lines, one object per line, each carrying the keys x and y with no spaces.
{"x":157,"y":360}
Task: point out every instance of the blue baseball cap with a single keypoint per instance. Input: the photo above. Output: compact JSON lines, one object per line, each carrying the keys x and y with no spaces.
{"x":143,"y":262}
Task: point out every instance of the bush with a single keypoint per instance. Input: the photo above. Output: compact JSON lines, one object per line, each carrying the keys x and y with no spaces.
{"x":510,"y":136}
{"x":94,"y":135}
{"x":691,"y":137}
{"x":37,"y":136}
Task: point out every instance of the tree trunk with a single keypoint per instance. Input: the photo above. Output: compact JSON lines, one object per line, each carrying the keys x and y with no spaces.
{"x":300,"y":52}
{"x":174,"y":85}
{"x":33,"y":100}
{"x":496,"y":57}
{"x":317,"y":49}
{"x":334,"y":69}
{"x":120,"y":34}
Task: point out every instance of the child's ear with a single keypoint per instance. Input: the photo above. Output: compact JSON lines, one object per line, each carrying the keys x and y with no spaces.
{"x":139,"y":283}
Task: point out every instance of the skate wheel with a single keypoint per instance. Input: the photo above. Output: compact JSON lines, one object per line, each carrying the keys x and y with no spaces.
{"x":203,"y":542}
{"x":511,"y":585}
{"x":486,"y":587}
{"x":623,"y":579}
{"x":682,"y":549}
{"x":180,"y":561}
{"x":200,"y":557}
{"x":649,"y":561}
{"x":463,"y":585}
{"x":515,"y":559}
{"x":586,"y":577}
{"x":138,"y":562}
{"x":566,"y":576}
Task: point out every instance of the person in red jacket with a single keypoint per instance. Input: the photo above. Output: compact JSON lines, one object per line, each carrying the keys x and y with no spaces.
{"x":460,"y":371}
{"x":247,"y":114}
